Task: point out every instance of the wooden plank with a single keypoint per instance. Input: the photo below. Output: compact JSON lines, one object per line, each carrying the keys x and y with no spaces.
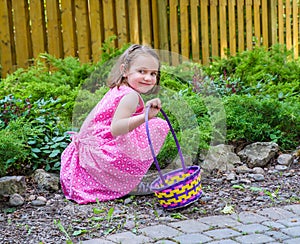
{"x":265,"y":23}
{"x":280,"y":22}
{"x":121,"y":19}
{"x":21,"y":25}
{"x":214,"y":33}
{"x":6,"y":40}
{"x":273,"y":18}
{"x":194,"y":6}
{"x":249,"y":25}
{"x":184,"y":29}
{"x":256,"y":16}
{"x":296,"y":29}
{"x":83,"y":31}
{"x":232,"y":27}
{"x":223,"y":28}
{"x":96,"y":33}
{"x":174,"y":33}
{"x":54,"y":37}
{"x":146,"y":23}
{"x":38,"y":33}
{"x":204,"y":32}
{"x":133,"y":21}
{"x":288,"y":28}
{"x":68,"y":28}
{"x":155,"y":26}
{"x":163,"y":29}
{"x":241,"y":29}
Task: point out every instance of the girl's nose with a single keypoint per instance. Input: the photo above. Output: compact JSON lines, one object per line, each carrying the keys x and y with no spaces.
{"x":147,"y":77}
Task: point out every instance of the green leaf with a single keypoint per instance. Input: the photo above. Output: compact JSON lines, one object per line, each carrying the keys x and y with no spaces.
{"x":97,"y":210}
{"x":238,"y":187}
{"x":110,"y":214}
{"x":54,"y":153}
{"x":35,"y":150}
{"x":79,"y":232}
{"x":228,"y":209}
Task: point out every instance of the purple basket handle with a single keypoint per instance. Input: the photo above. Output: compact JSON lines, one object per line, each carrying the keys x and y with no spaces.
{"x":151,"y":146}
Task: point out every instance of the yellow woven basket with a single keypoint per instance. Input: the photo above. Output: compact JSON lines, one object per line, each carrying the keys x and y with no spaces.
{"x":177,"y":188}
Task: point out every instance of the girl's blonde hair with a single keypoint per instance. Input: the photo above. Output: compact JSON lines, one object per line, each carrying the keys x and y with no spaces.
{"x":116,"y":78}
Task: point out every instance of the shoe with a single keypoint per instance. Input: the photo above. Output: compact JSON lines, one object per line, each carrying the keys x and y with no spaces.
{"x":142,"y":189}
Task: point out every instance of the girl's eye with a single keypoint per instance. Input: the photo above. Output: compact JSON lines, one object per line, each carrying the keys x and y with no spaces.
{"x":142,"y":71}
{"x":154,"y":74}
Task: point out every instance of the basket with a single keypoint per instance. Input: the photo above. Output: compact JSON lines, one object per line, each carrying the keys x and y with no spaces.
{"x":177,"y":188}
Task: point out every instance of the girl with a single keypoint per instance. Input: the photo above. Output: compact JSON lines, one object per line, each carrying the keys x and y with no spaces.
{"x":109,"y":156}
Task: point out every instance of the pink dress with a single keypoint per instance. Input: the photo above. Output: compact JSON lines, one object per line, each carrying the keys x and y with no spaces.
{"x":96,"y":165}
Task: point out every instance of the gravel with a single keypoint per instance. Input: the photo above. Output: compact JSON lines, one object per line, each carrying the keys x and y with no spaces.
{"x":59,"y":220}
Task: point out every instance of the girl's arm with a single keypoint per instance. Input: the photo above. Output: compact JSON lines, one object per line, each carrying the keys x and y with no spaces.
{"x":123,"y":121}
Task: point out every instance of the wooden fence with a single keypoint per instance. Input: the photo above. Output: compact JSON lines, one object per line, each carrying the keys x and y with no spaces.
{"x":196,"y":29}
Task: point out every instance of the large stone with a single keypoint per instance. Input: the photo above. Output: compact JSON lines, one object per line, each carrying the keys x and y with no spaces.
{"x":45,"y":180}
{"x":258,"y":154}
{"x":12,"y":184}
{"x":221,"y":157}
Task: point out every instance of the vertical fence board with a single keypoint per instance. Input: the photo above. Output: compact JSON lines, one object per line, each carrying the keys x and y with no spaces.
{"x":53,"y":29}
{"x":68,"y":29}
{"x":214,"y":33}
{"x":232,"y":27}
{"x":133,"y":21}
{"x":256,"y":17}
{"x":265,"y":23}
{"x":6,"y":59}
{"x":204,"y":32}
{"x":121,"y":21}
{"x":108,"y":18}
{"x":184,"y":29}
{"x":280,"y":22}
{"x":296,"y":28}
{"x":155,"y":24}
{"x":83,"y":31}
{"x":273,"y":19}
{"x":146,"y":22}
{"x":288,"y":24}
{"x":96,"y":32}
{"x":174,"y":33}
{"x":38,"y":33}
{"x":223,"y":28}
{"x":249,"y":26}
{"x":194,"y":6}
{"x":163,"y":25}
{"x":21,"y":25}
{"x":241,"y":29}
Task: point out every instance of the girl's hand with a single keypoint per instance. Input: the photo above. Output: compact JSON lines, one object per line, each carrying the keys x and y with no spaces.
{"x":155,"y":106}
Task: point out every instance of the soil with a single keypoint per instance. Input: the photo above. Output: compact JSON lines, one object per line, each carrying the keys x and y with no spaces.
{"x":60,"y":220}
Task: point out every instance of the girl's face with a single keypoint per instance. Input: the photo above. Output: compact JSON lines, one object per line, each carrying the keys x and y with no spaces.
{"x":142,"y":73}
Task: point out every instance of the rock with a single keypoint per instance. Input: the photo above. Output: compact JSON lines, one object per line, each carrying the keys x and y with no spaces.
{"x":243,"y":169}
{"x":45,"y":180}
{"x":257,"y":177}
{"x":258,"y":170}
{"x":38,"y":203}
{"x":231,"y":176}
{"x":259,"y":154}
{"x":281,"y":167}
{"x":12,"y":184}
{"x":285,"y":159}
{"x":16,"y":200}
{"x":221,"y":157}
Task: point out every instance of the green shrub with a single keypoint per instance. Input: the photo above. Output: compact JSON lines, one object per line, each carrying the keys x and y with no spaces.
{"x":256,"y":70}
{"x":263,"y":119}
{"x":13,"y":148}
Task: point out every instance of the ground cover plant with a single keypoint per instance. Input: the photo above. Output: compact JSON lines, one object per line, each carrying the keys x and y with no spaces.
{"x":255,"y":94}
